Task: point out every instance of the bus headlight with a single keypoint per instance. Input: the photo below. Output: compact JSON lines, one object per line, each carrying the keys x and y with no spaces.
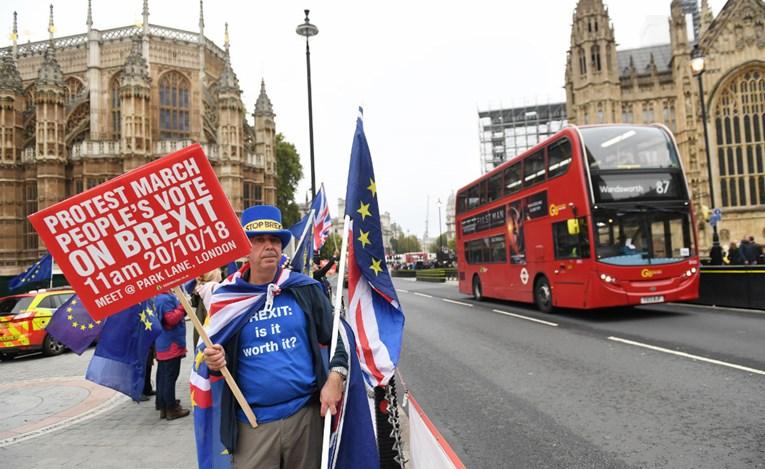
{"x":607,"y":278}
{"x":690,"y":272}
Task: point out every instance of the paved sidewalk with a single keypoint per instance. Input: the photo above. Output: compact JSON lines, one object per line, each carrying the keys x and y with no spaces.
{"x":51,"y":417}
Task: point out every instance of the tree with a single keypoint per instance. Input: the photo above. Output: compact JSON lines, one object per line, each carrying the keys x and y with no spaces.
{"x":289,"y":171}
{"x":440,"y":242}
{"x":406,"y":244}
{"x":334,"y":242}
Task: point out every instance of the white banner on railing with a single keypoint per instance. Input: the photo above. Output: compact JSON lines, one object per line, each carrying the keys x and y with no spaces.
{"x":428,"y":448}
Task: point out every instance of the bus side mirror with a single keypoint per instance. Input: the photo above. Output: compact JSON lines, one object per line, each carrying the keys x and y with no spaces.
{"x":573,"y":226}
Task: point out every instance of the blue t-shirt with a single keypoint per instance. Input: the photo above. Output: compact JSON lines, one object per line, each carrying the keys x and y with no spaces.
{"x":276,"y":372}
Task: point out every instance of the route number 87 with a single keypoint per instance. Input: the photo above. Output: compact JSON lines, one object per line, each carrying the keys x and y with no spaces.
{"x":662,"y":187}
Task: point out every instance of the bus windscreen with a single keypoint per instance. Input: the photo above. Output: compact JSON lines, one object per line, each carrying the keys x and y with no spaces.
{"x":628,"y":147}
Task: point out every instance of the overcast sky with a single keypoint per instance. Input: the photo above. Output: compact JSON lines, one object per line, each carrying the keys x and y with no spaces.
{"x":421,"y":70}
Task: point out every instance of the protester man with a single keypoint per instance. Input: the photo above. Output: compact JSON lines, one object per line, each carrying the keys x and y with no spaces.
{"x":275,"y":356}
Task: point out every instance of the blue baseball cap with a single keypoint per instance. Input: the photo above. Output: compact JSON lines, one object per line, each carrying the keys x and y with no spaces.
{"x":265,"y":220}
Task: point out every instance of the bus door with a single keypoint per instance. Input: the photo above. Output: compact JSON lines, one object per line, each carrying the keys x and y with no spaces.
{"x":571,"y":267}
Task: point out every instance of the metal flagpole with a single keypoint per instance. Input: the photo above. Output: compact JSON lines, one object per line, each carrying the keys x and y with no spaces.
{"x":335,"y":333}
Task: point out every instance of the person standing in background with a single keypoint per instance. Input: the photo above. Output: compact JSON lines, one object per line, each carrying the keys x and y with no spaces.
{"x":170,"y":348}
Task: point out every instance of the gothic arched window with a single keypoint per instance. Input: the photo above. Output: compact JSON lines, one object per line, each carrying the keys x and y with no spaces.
{"x":595,"y":58}
{"x":73,"y":88}
{"x":582,"y":61}
{"x":174,"y":106}
{"x":739,"y":119}
{"x":115,"y":107}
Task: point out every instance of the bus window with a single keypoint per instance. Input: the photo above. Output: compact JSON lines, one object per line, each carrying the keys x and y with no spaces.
{"x":570,"y":245}
{"x":484,"y":192}
{"x":628,"y":147}
{"x":495,"y":187}
{"x":472,"y":197}
{"x":486,"y":250}
{"x":513,"y":182}
{"x":461,"y":202}
{"x":558,"y":158}
{"x":534,"y":169}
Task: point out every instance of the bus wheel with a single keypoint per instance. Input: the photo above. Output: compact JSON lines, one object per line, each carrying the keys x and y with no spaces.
{"x":543,"y":295}
{"x":477,"y":291}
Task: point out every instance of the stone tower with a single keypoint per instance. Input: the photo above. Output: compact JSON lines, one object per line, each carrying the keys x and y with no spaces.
{"x":230,"y":129}
{"x":591,"y":71}
{"x":11,"y":146}
{"x":49,"y":130}
{"x":265,"y":138}
{"x":135,"y":113}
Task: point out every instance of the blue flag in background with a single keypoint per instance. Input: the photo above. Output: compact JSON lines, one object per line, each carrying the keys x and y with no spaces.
{"x":42,"y":270}
{"x":301,"y":260}
{"x":72,"y":325}
{"x":120,"y":358}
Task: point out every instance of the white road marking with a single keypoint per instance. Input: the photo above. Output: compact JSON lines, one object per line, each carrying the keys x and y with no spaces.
{"x":547,"y":323}
{"x":457,"y":302}
{"x":687,"y":355}
{"x":402,"y":290}
{"x":422,"y":294}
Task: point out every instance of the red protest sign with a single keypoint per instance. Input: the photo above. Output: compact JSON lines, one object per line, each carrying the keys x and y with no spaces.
{"x":148,"y":230}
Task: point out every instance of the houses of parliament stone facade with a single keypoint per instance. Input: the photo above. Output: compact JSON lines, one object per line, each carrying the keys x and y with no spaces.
{"x":655,"y":84}
{"x":77,"y":111}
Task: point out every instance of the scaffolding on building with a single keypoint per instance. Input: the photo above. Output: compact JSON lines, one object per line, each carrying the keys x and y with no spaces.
{"x":505,"y":133}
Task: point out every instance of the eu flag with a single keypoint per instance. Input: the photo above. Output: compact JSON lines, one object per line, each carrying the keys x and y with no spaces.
{"x":42,"y":270}
{"x":72,"y":325}
{"x":374,"y":312}
{"x":119,"y":361}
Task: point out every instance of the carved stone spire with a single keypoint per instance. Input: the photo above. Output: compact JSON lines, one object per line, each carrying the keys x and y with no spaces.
{"x":15,"y":35}
{"x":225,"y":39}
{"x":145,"y":17}
{"x":51,"y":27}
{"x":228,"y":81}
{"x":89,"y":21}
{"x":135,"y":70}
{"x":10,"y":79}
{"x":50,"y":71}
{"x":201,"y":16}
{"x":263,"y":104}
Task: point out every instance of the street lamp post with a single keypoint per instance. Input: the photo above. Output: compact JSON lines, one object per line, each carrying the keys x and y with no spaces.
{"x":697,"y":68}
{"x":307,"y":29}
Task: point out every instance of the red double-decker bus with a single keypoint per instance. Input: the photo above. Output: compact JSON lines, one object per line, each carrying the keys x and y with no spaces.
{"x":593,"y":217}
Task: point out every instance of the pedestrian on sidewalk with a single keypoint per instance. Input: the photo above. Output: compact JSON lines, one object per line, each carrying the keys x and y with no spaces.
{"x":276,"y":355}
{"x":171,"y":348}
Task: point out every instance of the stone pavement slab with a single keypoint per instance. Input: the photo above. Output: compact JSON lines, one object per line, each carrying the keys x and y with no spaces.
{"x":51,"y":417}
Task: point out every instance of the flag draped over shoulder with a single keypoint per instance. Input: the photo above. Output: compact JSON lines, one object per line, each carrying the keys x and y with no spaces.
{"x":352,"y":441}
{"x":41,"y":270}
{"x":119,"y":361}
{"x":322,"y":222}
{"x":73,"y":326}
{"x":230,"y":305}
{"x":374,"y":312}
{"x":301,"y":233}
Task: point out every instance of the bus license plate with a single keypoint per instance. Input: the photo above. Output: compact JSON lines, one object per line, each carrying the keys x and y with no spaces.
{"x":651,"y":299}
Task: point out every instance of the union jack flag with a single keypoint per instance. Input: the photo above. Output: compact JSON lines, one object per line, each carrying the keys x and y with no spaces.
{"x":322,"y":222}
{"x":374,"y":312}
